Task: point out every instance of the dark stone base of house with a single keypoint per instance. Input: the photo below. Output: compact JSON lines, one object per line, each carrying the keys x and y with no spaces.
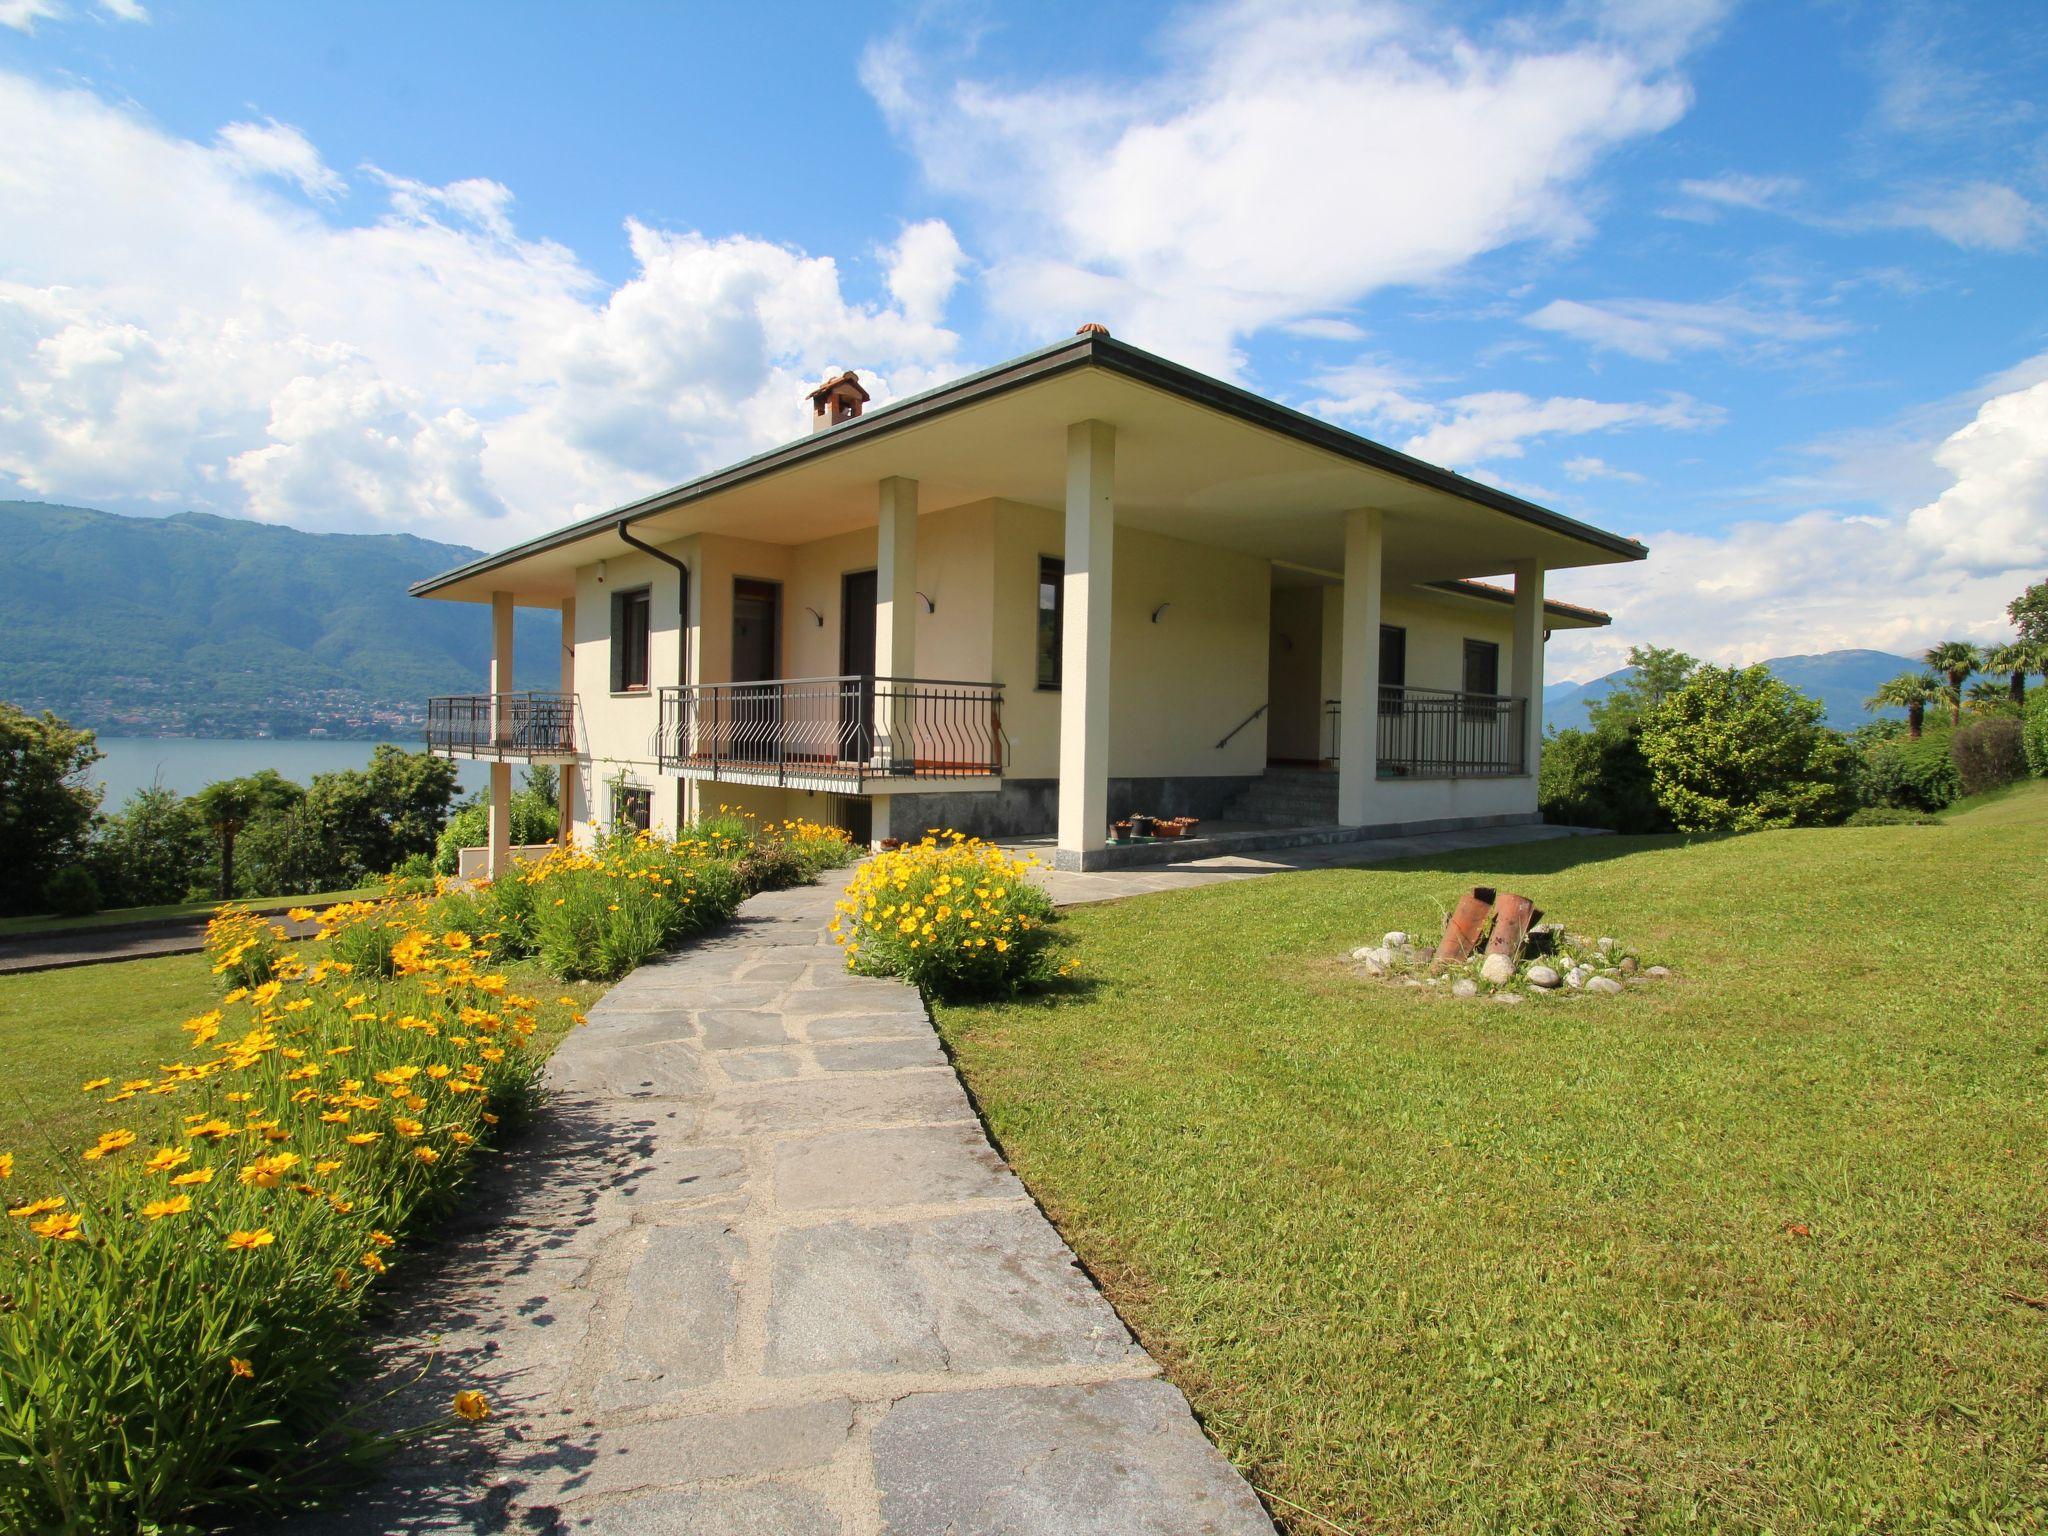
{"x":1185,"y":850}
{"x":1031,"y":807}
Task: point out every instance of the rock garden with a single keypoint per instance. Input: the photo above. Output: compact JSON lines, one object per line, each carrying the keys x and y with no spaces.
{"x":1496,"y":945}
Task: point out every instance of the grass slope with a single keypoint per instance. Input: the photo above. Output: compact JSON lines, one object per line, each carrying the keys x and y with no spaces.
{"x":1429,"y":1265}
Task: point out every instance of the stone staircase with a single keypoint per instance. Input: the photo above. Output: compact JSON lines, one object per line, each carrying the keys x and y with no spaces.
{"x":1287,"y":797}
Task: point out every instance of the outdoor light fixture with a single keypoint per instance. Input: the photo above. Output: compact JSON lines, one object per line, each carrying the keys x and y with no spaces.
{"x":817,"y":618}
{"x":600,"y":573}
{"x":1159,"y":610}
{"x":929,"y":605}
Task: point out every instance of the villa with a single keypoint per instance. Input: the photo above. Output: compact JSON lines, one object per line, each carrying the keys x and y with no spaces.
{"x":1029,"y":603}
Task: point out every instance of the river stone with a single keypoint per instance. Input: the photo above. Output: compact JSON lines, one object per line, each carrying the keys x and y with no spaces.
{"x":1507,"y":997}
{"x":1659,"y":971}
{"x":1603,"y":984}
{"x":1543,"y":976}
{"x":1395,"y":940}
{"x":1464,"y":986}
{"x":1575,"y":977}
{"x":1497,"y":969}
{"x":1626,"y":965}
{"x":1603,"y":945}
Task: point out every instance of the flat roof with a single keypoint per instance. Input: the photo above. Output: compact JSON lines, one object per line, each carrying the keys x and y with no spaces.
{"x":1087,"y":350}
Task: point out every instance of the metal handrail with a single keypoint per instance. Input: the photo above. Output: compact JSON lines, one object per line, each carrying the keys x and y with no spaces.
{"x":523,"y":724}
{"x":1247,"y":720}
{"x":833,"y":732}
{"x":1444,"y":733}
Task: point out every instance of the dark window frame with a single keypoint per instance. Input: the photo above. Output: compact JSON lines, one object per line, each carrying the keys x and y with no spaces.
{"x":1489,"y":651}
{"x":632,"y":805}
{"x":633,"y":654}
{"x":1050,"y":655}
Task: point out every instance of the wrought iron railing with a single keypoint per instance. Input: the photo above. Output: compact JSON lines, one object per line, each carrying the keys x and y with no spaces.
{"x":1440,"y":733}
{"x":832,"y":731}
{"x":502,"y":724}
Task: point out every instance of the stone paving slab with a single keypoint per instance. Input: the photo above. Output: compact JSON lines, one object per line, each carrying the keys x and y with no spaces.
{"x":758,"y":1272}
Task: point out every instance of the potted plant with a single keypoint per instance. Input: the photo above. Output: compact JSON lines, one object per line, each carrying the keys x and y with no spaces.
{"x":1120,"y":832}
{"x":1188,"y":824}
{"x":1167,"y":827}
{"x":1141,"y":826}
{"x":891,"y":844}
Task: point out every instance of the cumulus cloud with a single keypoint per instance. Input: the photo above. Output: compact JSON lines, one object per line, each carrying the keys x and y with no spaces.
{"x":1498,"y":424}
{"x":1286,"y":161}
{"x":1586,"y":466}
{"x":184,"y":323}
{"x":1658,"y":330}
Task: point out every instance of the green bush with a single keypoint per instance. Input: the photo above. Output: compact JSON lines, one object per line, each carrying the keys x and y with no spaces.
{"x":597,"y":914}
{"x":2034,"y":733}
{"x":1736,"y":749}
{"x":533,"y":821}
{"x":1890,"y":816}
{"x":1910,"y":775}
{"x":72,"y":892}
{"x":956,"y":917}
{"x":1598,"y":779}
{"x":1988,"y":754}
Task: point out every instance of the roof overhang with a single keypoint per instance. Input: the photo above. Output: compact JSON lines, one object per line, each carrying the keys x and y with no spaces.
{"x":1196,"y":458}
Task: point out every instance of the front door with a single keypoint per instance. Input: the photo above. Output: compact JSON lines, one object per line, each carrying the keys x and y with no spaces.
{"x":857,"y":663}
{"x":756,"y":727}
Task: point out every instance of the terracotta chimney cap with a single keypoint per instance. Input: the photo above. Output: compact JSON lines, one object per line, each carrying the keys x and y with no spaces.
{"x":1093,"y":328}
{"x":849,"y":379}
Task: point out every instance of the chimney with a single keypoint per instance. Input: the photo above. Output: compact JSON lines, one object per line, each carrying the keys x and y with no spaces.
{"x":837,"y":399}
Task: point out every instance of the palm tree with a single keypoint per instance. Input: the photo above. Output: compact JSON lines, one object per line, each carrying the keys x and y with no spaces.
{"x":1910,"y":691}
{"x":1987,"y":698}
{"x":1955,"y":660}
{"x":226,"y":806}
{"x":2017,"y":658}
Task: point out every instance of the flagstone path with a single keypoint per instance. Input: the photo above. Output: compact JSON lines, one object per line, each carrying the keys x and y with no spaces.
{"x":760,"y":1271}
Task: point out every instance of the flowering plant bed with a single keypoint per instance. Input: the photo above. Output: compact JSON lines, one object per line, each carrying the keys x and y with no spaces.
{"x":180,"y":1297}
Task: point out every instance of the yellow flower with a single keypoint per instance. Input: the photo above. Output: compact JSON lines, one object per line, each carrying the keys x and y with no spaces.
{"x":362,"y":1138}
{"x":210,"y":1130}
{"x":95,"y":1085}
{"x":426,"y":1154}
{"x":37,"y":1207}
{"x":61,"y":1228}
{"x":196,"y":1176}
{"x":249,"y":1242}
{"x":176,"y":1205}
{"x":164,"y":1159}
{"x":473,"y":1406}
{"x":268,"y":1172}
{"x":6,"y":1165}
{"x":373,"y":1263}
{"x":326,"y":1165}
{"x":241,"y":1369}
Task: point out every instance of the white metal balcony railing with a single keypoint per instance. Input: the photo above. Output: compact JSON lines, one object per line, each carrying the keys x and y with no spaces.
{"x":502,"y":725}
{"x":832,"y":732}
{"x":1440,"y":733}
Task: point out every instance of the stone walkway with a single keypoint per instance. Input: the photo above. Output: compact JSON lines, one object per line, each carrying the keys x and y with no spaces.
{"x":759,"y":1271}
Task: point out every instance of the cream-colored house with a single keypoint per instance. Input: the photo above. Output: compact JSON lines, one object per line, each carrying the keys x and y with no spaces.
{"x":1083,"y":584}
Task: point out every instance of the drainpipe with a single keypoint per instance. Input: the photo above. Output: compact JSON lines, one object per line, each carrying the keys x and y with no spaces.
{"x":683,"y":591}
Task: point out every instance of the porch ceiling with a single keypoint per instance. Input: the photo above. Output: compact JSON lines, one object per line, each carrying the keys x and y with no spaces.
{"x":1210,"y":464}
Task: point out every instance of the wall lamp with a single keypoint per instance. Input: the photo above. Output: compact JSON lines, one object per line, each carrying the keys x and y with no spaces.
{"x":929,"y":605}
{"x":817,"y":618}
{"x":1159,"y":610}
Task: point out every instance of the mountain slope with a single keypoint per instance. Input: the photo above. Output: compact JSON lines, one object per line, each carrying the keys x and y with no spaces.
{"x":205,"y":625}
{"x":1841,"y":680}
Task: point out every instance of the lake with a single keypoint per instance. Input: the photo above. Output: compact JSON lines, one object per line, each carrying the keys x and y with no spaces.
{"x":189,"y":763}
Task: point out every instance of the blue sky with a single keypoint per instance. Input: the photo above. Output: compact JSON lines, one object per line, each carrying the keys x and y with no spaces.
{"x":1761,"y":284}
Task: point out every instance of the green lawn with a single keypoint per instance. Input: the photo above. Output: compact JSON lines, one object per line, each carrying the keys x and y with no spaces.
{"x":61,"y":1028}
{"x":1739,"y":1251}
{"x":17,"y":927}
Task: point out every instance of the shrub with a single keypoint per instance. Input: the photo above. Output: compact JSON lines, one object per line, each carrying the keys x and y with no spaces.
{"x":1910,"y":775}
{"x":154,"y":849}
{"x":181,"y":1302}
{"x":1988,"y":754}
{"x":1737,"y":749}
{"x":597,"y":914}
{"x":533,"y":821}
{"x":770,"y":865}
{"x":1890,"y":816}
{"x":1599,"y":779}
{"x":953,"y":915}
{"x":72,"y":892}
{"x":2034,"y":732}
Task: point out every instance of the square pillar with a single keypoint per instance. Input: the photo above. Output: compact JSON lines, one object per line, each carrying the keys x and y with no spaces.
{"x":1084,"y":642}
{"x":1525,"y":660}
{"x":565,"y":790}
{"x":500,"y":861}
{"x":895,"y":619}
{"x":1358,"y":689}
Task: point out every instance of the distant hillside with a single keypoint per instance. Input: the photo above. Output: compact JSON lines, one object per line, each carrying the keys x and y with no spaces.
{"x":203,"y":625}
{"x":1841,"y":680}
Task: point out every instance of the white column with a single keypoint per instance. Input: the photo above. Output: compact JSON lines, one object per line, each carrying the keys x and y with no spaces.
{"x":500,"y":861}
{"x":1358,"y":689}
{"x":1084,"y":640}
{"x":1525,"y":667}
{"x":565,"y":817}
{"x":896,"y":613}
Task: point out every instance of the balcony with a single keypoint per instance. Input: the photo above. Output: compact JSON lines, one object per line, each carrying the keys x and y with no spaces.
{"x":526,"y":727}
{"x":1440,"y":733}
{"x":851,"y":734}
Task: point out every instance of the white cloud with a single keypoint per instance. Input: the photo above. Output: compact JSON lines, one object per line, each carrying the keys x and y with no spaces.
{"x":1739,"y":190}
{"x":1660,"y":329}
{"x":1588,"y":467}
{"x":1497,"y":424}
{"x":1995,"y":515}
{"x":179,"y":325}
{"x":1978,"y":215}
{"x":22,"y":15}
{"x":1322,"y":328}
{"x":1287,"y":160}
{"x":276,"y":149}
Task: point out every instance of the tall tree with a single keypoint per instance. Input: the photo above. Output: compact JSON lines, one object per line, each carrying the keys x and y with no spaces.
{"x":229,"y":805}
{"x":2016,"y":659}
{"x":2029,"y":615}
{"x":1655,"y":673}
{"x":1910,"y":691}
{"x":1736,"y":749}
{"x":1955,"y":660}
{"x":46,"y":805}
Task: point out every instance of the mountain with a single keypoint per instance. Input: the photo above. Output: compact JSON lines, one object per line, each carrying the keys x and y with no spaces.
{"x":212,"y":626}
{"x":1841,"y":680}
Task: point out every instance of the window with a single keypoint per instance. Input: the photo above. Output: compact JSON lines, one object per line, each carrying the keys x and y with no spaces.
{"x":629,"y":641}
{"x":1393,"y":656}
{"x":632,"y":807}
{"x":1482,"y":666}
{"x":1052,"y":617}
